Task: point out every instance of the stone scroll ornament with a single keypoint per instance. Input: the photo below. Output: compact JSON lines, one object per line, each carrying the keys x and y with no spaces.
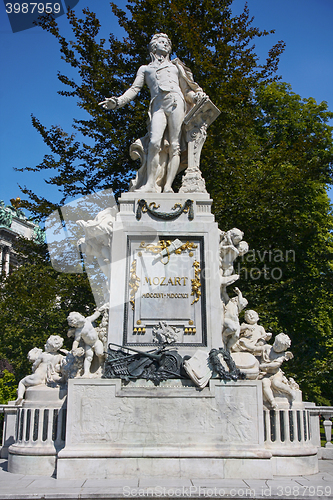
{"x":173,"y":143}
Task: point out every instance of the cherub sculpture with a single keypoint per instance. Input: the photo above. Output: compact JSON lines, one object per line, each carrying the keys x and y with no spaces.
{"x":46,"y":368}
{"x":231,"y":247}
{"x":83,"y":331}
{"x":251,"y":334}
{"x":231,"y":325}
{"x":273,"y":379}
{"x":97,"y":239}
{"x":173,"y":93}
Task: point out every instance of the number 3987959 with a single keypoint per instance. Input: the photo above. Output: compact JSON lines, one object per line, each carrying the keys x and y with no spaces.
{"x":30,"y":8}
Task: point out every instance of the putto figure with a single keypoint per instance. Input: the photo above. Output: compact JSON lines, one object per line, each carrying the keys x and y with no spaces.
{"x":252,"y":335}
{"x":46,"y":368}
{"x":231,"y":325}
{"x":173,"y":93}
{"x":273,"y":380}
{"x":83,"y":331}
{"x":231,"y":247}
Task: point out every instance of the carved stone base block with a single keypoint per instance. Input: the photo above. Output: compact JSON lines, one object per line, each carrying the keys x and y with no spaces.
{"x":173,"y":430}
{"x":193,"y":182}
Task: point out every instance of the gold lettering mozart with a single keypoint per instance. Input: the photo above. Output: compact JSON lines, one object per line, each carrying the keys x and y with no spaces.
{"x":164,"y":281}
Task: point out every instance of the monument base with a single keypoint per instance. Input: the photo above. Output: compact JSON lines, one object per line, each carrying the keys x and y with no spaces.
{"x":117,"y":430}
{"x":180,"y":468}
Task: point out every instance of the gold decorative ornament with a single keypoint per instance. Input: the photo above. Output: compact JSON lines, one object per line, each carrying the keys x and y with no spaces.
{"x":15,"y":202}
{"x":152,"y":206}
{"x":134,"y":283}
{"x":187,"y":246}
{"x":179,"y":205}
{"x":196,"y":284}
{"x":164,"y":245}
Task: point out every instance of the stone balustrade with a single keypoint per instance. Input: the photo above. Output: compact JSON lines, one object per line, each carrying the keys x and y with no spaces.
{"x":325,"y":414}
{"x":282,"y":428}
{"x":8,"y":427}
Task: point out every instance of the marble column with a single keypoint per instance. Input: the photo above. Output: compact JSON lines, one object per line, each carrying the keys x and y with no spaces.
{"x":7,"y":258}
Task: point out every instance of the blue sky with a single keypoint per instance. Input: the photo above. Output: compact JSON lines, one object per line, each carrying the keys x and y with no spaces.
{"x":30,"y":60}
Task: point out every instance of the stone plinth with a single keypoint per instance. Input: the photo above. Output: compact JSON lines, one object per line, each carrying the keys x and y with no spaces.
{"x":40,"y":432}
{"x":174,"y":430}
{"x":165,"y":267}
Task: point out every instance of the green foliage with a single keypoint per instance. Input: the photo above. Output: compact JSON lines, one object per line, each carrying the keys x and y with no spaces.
{"x":280,"y":201}
{"x":266,"y":162}
{"x":8,"y":387}
{"x":214,"y":44}
{"x":35,"y":301}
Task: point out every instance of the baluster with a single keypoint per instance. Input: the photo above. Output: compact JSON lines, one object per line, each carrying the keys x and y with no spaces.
{"x":328,"y":429}
{"x":267,"y":424}
{"x":286,"y":431}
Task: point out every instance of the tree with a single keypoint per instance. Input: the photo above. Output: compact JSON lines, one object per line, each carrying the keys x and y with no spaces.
{"x":289,"y":227}
{"x":205,"y":36}
{"x":266,"y":161}
{"x":35,"y":301}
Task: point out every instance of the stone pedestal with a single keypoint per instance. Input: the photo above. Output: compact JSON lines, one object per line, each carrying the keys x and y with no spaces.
{"x":180,"y":285}
{"x":117,"y":430}
{"x":40,"y":432}
{"x":173,"y":430}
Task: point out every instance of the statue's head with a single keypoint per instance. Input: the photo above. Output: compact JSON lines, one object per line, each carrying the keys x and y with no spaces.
{"x":281,"y":342}
{"x":154,"y":41}
{"x":75,"y":319}
{"x":243,"y":248}
{"x":236,"y":235}
{"x":53,"y":343}
{"x":34,"y":354}
{"x":251,"y":317}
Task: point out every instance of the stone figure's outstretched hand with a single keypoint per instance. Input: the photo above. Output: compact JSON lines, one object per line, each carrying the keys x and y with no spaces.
{"x":109,"y":103}
{"x":200,"y":96}
{"x":288,"y":355}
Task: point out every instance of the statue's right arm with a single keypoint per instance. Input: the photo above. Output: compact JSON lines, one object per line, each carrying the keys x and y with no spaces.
{"x":36,"y":364}
{"x":129,"y":95}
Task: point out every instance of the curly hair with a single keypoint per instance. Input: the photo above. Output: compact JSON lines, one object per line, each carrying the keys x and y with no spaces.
{"x":55,"y":341}
{"x":153,"y":42}
{"x":282,"y":341}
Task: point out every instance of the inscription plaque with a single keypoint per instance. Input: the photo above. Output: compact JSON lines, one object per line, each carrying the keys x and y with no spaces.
{"x":165,"y":283}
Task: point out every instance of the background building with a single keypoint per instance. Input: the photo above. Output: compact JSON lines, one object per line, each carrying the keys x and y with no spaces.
{"x":13,"y":223}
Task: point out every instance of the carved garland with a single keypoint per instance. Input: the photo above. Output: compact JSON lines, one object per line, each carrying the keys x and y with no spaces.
{"x":143,"y":207}
{"x":233,"y":374}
